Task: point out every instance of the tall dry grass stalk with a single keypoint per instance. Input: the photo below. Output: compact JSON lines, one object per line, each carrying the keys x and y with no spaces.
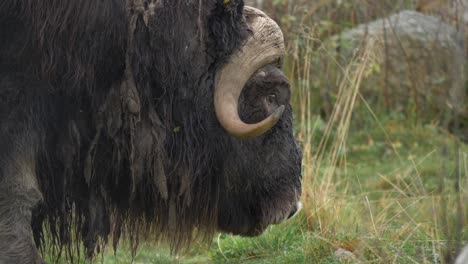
{"x":384,"y":224}
{"x":320,"y":163}
{"x":404,"y":216}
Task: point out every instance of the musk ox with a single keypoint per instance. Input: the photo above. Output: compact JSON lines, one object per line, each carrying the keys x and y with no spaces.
{"x":167,"y":119}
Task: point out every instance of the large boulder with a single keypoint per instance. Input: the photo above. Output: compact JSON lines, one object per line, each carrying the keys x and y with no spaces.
{"x":417,"y":68}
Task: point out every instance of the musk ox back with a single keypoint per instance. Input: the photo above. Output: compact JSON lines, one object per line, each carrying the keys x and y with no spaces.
{"x":169,"y":118}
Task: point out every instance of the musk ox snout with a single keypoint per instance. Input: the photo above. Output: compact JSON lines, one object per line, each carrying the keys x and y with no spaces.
{"x":283,"y":216}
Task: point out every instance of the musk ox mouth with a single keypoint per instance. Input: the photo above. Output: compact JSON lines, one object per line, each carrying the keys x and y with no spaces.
{"x":258,"y":226}
{"x":283,"y":216}
{"x":276,"y":219}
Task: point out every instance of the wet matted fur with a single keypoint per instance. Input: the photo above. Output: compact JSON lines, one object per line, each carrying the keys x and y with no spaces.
{"x":108,"y":127}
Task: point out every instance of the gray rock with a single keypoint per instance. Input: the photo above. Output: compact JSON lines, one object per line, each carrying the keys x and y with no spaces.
{"x":463,"y":257}
{"x":343,"y":254}
{"x":418,"y":64}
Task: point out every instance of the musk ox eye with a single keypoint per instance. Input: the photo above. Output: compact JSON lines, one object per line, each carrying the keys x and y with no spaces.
{"x":271,"y":98}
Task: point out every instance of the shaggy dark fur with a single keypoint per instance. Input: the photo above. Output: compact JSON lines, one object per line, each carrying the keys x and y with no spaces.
{"x":107,"y":127}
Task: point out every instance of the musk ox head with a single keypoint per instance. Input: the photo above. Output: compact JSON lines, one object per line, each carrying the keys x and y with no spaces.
{"x":235,"y":108}
{"x":244,"y":116}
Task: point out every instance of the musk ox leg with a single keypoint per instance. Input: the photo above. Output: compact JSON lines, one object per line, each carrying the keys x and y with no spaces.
{"x":19,"y":193}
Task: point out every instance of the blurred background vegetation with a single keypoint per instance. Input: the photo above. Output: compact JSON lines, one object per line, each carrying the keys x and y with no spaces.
{"x":385,"y":169}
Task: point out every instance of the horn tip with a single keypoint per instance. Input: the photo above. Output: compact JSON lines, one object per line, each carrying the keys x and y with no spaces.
{"x":278,"y":112}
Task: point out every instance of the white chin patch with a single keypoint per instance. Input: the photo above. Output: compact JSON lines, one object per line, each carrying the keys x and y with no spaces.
{"x":282,"y":218}
{"x":299,"y":208}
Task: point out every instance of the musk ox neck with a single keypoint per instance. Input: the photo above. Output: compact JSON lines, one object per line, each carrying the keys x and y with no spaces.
{"x":132,"y":153}
{"x":124,"y":169}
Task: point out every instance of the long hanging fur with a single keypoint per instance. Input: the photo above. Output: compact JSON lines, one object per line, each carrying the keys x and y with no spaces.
{"x":125,"y":142}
